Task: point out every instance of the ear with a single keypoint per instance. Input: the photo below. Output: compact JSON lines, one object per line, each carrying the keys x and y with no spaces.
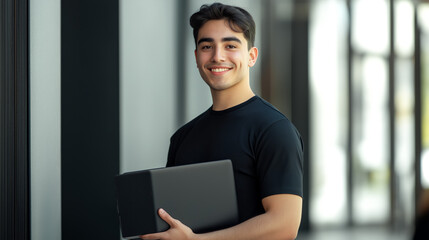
{"x":253,"y":56}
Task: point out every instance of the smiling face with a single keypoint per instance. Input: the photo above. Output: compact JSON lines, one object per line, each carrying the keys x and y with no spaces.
{"x":223,"y":58}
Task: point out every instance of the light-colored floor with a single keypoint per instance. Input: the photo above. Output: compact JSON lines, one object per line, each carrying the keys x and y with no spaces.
{"x":356,"y":234}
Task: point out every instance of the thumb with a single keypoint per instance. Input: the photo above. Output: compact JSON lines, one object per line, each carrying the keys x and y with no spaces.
{"x":167,"y":218}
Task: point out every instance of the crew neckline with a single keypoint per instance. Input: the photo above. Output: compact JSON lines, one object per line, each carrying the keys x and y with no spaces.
{"x":234,"y":108}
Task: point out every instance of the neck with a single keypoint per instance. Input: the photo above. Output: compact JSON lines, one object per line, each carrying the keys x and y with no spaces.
{"x":230,"y":97}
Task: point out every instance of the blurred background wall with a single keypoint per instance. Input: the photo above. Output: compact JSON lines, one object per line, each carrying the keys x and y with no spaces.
{"x":352,"y":75}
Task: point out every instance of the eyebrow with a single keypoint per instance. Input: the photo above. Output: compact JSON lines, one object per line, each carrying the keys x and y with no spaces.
{"x":226,"y":39}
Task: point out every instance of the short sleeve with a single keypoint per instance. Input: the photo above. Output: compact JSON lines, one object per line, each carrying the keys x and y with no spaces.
{"x":279,"y":159}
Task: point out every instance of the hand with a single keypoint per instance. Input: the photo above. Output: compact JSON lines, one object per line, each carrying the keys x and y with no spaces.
{"x":177,"y":231}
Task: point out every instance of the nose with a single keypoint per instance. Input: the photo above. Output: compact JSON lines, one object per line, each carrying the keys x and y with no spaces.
{"x":218,"y":55}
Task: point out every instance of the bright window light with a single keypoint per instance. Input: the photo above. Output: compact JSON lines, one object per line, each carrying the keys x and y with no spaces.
{"x":327,"y":86}
{"x":404,"y":32}
{"x":371,"y":26}
{"x":425,"y":169}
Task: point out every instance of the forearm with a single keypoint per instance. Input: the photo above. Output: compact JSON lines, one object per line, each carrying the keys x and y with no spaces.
{"x":265,"y":226}
{"x":280,"y":221}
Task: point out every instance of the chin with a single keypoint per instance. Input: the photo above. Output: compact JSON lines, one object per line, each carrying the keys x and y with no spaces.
{"x":221,"y":87}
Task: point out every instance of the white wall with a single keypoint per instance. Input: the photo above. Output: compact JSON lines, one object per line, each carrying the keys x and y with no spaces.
{"x":45,"y":119}
{"x":147,"y":82}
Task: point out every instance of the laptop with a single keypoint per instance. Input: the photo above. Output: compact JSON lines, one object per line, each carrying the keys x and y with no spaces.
{"x":202,"y":196}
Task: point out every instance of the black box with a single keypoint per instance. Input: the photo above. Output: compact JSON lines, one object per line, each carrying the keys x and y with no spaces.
{"x":202,"y":196}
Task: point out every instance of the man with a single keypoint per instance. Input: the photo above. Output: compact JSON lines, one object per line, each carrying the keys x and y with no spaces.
{"x":264,"y":147}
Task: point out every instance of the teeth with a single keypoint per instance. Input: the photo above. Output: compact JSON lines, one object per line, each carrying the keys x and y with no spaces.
{"x":219,"y":69}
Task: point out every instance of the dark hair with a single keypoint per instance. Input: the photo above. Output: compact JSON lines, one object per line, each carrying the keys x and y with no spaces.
{"x":239,"y":20}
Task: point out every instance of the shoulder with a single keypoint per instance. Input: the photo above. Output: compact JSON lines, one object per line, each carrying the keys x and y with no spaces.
{"x":266,"y":116}
{"x":265,"y":105}
{"x":264,"y":111}
{"x":274,"y":126}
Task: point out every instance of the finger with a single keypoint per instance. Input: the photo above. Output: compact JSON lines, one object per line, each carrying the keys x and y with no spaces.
{"x":166,"y":217}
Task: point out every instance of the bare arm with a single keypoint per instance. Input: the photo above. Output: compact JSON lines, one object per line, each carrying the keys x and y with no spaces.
{"x":280,"y":221}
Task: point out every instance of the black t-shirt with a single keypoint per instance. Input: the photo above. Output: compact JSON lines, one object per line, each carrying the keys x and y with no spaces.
{"x":265,"y":148}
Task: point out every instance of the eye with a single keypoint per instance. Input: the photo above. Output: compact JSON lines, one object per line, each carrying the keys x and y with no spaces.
{"x":206,"y":47}
{"x":230,"y":46}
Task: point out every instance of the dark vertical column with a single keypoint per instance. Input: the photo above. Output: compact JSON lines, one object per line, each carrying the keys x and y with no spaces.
{"x":266,"y":63}
{"x":300,"y":93}
{"x":22,"y":133}
{"x":89,"y":118}
{"x":417,"y":108}
{"x":14,"y":132}
{"x":7,"y":121}
{"x":182,"y":25}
